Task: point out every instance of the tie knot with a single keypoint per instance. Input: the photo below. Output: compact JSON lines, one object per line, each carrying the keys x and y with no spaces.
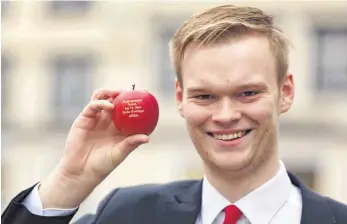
{"x":232,"y":214}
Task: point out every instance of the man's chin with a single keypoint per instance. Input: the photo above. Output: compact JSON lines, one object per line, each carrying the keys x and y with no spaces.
{"x":234,"y":163}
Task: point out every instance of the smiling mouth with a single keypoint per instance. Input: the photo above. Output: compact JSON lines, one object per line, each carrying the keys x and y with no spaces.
{"x":230,"y":136}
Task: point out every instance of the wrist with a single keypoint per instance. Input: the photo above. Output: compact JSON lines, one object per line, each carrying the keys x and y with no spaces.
{"x":60,"y":190}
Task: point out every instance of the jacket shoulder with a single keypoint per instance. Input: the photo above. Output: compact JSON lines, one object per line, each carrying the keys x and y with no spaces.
{"x":338,"y":209}
{"x":129,"y":204}
{"x":133,"y":194}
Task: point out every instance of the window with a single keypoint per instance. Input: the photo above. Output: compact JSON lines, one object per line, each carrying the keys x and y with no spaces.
{"x":164,"y":28}
{"x":72,"y":85}
{"x":6,"y":67}
{"x":69,"y":7}
{"x":165,"y":71}
{"x":5,"y":5}
{"x":332,"y":60}
{"x":5,"y":64}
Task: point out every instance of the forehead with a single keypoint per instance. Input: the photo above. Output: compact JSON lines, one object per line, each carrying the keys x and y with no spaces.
{"x":236,"y":62}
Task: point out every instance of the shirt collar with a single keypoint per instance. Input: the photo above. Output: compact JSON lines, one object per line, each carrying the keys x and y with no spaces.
{"x":212,"y":202}
{"x":259,"y":206}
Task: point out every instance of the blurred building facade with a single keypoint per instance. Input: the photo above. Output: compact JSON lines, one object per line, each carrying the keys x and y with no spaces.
{"x":56,"y":53}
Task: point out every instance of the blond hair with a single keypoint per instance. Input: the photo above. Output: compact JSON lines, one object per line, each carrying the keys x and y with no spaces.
{"x":223,"y":23}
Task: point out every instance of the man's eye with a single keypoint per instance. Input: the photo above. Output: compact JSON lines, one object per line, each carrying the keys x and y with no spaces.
{"x":204,"y":97}
{"x":249,"y":93}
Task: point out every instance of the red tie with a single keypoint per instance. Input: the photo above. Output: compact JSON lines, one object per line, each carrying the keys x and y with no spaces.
{"x":232,"y":214}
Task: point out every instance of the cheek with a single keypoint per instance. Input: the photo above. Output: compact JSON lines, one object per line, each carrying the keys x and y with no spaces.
{"x":195,"y":115}
{"x":261,"y":111}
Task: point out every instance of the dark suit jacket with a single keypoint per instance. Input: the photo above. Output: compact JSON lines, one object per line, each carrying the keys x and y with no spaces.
{"x":172,"y":203}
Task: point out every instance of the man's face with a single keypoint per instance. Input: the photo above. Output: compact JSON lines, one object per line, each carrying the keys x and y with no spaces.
{"x":231,"y":101}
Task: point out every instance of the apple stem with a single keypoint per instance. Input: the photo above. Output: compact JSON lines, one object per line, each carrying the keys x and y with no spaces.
{"x":133,"y":87}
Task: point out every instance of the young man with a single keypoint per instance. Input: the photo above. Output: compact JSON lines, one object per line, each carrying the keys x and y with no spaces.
{"x":232,"y":85}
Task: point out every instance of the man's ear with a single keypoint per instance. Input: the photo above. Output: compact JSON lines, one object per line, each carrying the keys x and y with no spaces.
{"x":287,"y":93}
{"x":179,"y":97}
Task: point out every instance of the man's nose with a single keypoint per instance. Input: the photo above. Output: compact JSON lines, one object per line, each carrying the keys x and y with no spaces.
{"x":226,"y":112}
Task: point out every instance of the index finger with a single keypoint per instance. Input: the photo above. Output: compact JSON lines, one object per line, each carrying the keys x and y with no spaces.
{"x":104,"y":94}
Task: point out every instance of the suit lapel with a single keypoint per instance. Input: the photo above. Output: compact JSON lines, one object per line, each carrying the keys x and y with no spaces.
{"x":183,"y":207}
{"x":314,"y":207}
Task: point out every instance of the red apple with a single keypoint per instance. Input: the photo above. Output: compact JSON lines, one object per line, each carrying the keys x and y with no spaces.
{"x":135,"y":112}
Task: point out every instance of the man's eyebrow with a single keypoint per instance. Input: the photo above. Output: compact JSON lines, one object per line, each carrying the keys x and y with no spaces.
{"x":196,"y":89}
{"x":251,"y":85}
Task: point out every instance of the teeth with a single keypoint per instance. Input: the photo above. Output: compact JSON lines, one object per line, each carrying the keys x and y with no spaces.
{"x":229,"y":136}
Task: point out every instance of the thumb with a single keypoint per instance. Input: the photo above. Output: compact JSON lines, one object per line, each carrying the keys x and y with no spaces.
{"x":126,"y":146}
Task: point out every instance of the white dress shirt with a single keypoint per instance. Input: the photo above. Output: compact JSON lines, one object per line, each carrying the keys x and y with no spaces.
{"x":275,"y":202}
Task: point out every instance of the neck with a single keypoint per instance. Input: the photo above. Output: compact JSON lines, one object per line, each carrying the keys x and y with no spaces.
{"x":233,"y":186}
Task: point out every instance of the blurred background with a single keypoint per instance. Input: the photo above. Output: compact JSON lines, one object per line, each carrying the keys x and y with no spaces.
{"x":56,"y":53}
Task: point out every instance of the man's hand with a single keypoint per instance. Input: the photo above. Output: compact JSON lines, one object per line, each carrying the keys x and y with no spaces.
{"x":93,"y":149}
